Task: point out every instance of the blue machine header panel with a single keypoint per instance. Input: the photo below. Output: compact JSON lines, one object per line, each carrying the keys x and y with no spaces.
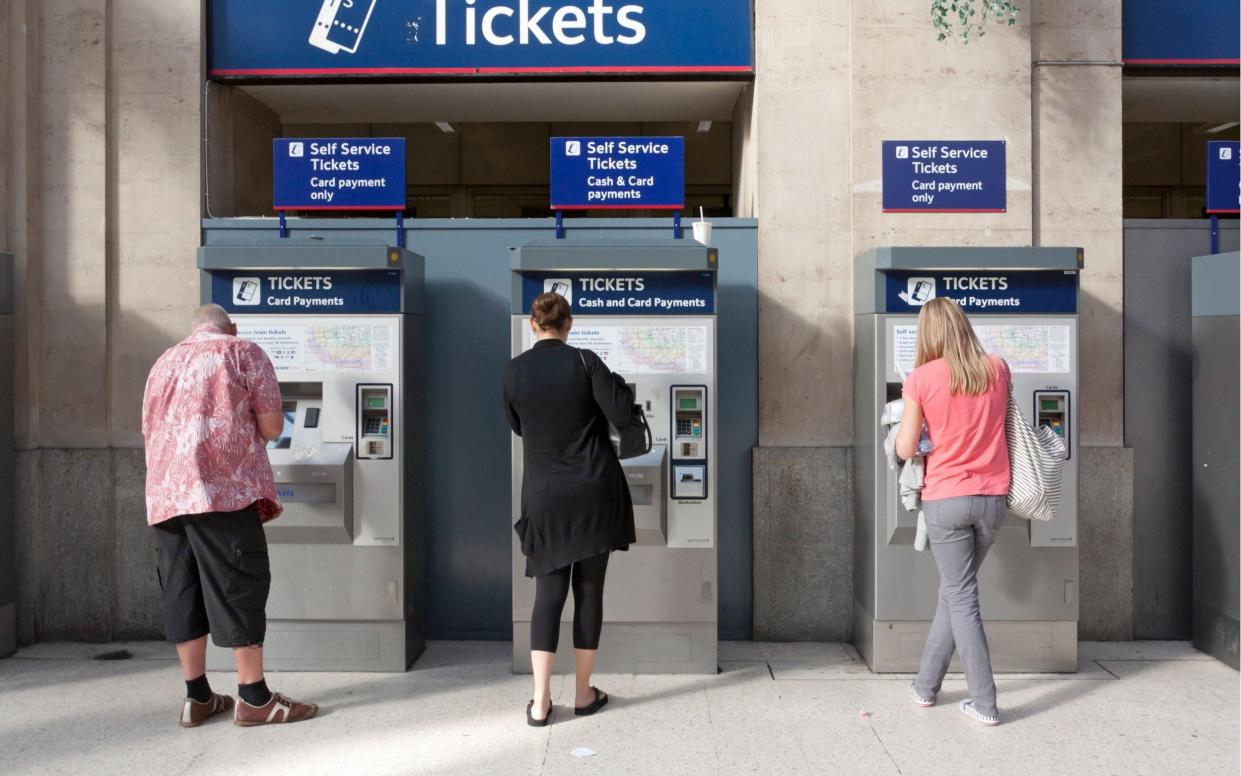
{"x":412,"y":38}
{"x":307,"y":291}
{"x":625,"y":293}
{"x":1014,"y":292}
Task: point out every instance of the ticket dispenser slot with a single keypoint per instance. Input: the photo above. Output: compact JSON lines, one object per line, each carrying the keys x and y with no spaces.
{"x":689,"y":442}
{"x":646,"y":475}
{"x":374,"y":422}
{"x":1051,"y":409}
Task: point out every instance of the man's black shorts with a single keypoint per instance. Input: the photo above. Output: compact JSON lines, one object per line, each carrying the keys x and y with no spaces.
{"x":214,"y":572}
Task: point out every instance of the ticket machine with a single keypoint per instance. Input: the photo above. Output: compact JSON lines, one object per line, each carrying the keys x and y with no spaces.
{"x":1215,"y":342}
{"x":342,"y":326}
{"x":648,"y":310}
{"x":1023,"y":305}
{"x":8,"y":562}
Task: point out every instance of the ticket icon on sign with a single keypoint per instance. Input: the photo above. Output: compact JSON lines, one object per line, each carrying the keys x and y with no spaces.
{"x":340,"y":25}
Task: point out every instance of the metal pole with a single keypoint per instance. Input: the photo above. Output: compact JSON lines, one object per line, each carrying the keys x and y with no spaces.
{"x":676,"y":224}
{"x":1214,"y":234}
{"x":559,"y":224}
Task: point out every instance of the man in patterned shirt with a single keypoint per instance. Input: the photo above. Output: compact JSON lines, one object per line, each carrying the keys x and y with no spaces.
{"x":211,"y":403}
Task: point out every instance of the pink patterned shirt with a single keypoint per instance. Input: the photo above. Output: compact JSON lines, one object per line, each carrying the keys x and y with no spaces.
{"x":203,"y":449}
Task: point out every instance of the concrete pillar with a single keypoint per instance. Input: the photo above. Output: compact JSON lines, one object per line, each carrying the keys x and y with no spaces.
{"x":801,"y":143}
{"x":101,"y":161}
{"x":1078,"y":201}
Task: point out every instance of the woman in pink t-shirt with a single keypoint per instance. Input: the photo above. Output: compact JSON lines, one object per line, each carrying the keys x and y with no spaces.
{"x":962,"y":394}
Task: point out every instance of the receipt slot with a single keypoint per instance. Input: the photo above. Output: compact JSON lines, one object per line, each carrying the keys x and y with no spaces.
{"x":648,"y":310}
{"x":342,"y":326}
{"x":1022,"y":303}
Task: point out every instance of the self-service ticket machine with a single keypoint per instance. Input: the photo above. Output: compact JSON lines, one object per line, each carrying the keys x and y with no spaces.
{"x":1215,"y":342}
{"x":648,"y":310}
{"x":1023,"y":305}
{"x":342,"y":326}
{"x":8,"y":562}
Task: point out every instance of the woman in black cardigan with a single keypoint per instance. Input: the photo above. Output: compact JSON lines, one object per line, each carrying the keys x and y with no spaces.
{"x":575,"y":504}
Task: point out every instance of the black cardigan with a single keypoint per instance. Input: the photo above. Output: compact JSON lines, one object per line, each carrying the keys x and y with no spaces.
{"x":575,"y":501}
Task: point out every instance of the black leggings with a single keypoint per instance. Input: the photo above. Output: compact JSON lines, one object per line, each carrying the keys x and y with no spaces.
{"x":550,"y":593}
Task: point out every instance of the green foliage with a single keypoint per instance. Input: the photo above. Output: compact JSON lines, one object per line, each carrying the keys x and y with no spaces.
{"x":970,"y":17}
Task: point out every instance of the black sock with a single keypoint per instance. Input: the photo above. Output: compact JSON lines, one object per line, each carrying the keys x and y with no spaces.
{"x":255,"y":694}
{"x":199,"y":689}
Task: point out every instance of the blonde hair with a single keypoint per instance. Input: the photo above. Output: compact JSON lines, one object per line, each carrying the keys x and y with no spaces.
{"x":944,"y":332}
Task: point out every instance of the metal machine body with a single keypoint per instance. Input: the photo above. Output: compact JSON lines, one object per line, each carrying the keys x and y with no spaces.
{"x":1216,"y":342}
{"x":1023,"y":304}
{"x":342,"y":326}
{"x":8,"y":560}
{"x":648,"y":310}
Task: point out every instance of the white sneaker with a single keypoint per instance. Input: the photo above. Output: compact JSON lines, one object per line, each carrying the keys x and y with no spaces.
{"x":968,"y":709}
{"x":925,"y":703}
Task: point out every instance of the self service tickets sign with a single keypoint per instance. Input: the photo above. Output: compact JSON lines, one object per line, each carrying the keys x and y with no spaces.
{"x":338,"y":173}
{"x":944,"y":176}
{"x":617,"y":173}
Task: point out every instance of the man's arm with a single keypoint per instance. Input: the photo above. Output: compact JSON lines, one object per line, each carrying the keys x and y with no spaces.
{"x":265,"y":396}
{"x":271,"y":424}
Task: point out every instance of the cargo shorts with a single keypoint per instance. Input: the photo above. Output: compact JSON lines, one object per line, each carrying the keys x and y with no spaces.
{"x":215,"y":576}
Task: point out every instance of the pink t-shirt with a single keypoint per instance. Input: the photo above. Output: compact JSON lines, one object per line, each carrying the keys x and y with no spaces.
{"x":971,"y":452}
{"x":203,"y":449}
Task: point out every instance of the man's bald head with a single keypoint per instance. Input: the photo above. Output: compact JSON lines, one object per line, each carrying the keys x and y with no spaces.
{"x":213,"y":315}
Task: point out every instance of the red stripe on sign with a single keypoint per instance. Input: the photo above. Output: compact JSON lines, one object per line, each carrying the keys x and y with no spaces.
{"x":339,"y":207}
{"x":943,"y":210}
{"x":1234,"y":210}
{"x":480,"y":70}
{"x":1182,"y":61}
{"x":617,"y":207}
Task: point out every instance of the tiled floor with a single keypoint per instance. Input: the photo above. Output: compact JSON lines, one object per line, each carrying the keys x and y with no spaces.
{"x":1135,"y":708}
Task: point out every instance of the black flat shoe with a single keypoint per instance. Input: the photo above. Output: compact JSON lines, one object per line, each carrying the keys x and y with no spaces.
{"x":531,"y":721}
{"x":601,"y":700}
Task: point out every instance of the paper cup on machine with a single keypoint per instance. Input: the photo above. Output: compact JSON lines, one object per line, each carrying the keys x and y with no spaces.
{"x":702,"y":232}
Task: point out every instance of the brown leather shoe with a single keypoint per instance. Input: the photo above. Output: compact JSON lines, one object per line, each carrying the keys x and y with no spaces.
{"x":278,"y":710}
{"x":194,"y":713}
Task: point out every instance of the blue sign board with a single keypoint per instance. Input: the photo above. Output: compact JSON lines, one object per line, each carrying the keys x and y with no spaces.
{"x":625,"y":293}
{"x":1187,"y":32}
{"x":1013,"y":292}
{"x":944,"y":176}
{"x":404,"y":38}
{"x":1224,"y":176}
{"x":618,"y":173}
{"x":338,"y":173}
{"x":307,"y":291}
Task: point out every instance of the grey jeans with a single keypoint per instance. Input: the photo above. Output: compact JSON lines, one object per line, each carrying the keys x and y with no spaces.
{"x":961,"y":530}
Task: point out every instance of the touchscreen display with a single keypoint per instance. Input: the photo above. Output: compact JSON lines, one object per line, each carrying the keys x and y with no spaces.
{"x":285,"y":440}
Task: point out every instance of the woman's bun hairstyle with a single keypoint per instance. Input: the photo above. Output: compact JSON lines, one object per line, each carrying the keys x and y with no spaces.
{"x":550,"y":312}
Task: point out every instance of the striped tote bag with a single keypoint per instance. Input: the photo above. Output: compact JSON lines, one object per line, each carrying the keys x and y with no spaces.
{"x":1036,"y":457}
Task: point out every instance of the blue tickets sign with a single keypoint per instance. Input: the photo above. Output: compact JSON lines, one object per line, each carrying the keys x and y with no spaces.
{"x":307,"y":291}
{"x":486,"y":38}
{"x":1199,"y":32}
{"x":944,"y":176}
{"x":1224,"y":176}
{"x":1014,"y":292}
{"x":625,"y":293}
{"x":338,"y":173}
{"x":618,"y":173}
